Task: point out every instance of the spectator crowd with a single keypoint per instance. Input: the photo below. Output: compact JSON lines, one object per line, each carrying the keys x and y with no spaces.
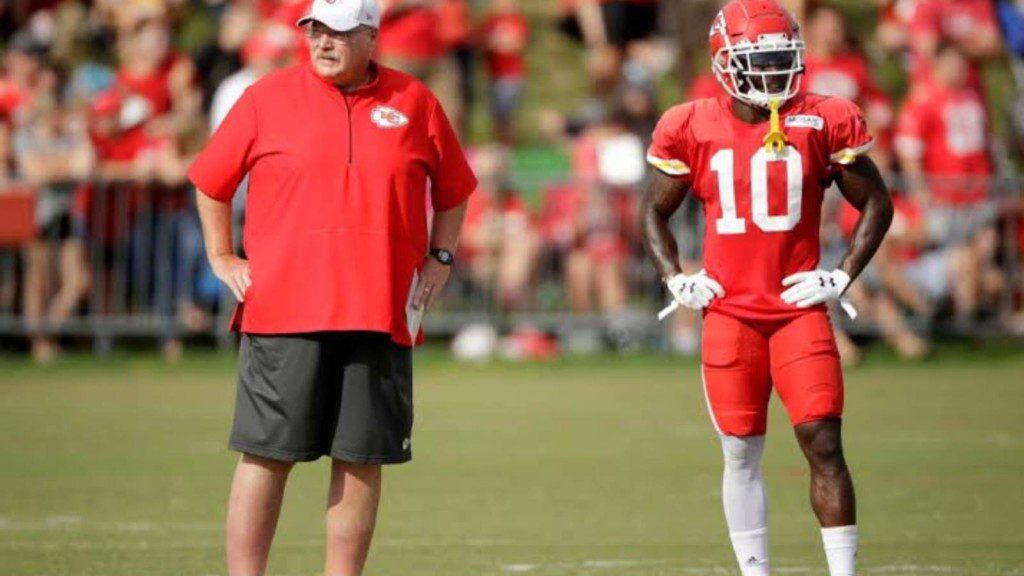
{"x":103,"y":104}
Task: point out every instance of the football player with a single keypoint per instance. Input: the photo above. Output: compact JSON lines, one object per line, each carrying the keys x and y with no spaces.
{"x":759,"y":159}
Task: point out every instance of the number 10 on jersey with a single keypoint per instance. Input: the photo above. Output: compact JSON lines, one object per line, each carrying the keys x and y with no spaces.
{"x":723,"y":162}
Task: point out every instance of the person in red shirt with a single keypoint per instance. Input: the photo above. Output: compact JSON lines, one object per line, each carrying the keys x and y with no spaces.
{"x":51,"y":152}
{"x":24,"y":74}
{"x":500,"y":246}
{"x":118,"y":139}
{"x":590,"y":221}
{"x":942,"y":136}
{"x":834,"y":67}
{"x":504,"y":35}
{"x":759,"y":160}
{"x":410,"y":38}
{"x":149,"y":68}
{"x":942,"y":139}
{"x":685,"y":336}
{"x":970,"y":25}
{"x":339,"y":153}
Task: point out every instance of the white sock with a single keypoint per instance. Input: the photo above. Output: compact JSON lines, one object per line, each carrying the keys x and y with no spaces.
{"x":751,"y":551}
{"x":840,"y":550}
{"x":746,"y":503}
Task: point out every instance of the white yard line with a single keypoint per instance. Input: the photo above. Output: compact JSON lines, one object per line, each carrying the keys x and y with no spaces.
{"x":568,"y":567}
{"x":77,"y":523}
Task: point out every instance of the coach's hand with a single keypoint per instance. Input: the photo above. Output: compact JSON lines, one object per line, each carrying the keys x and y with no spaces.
{"x":694,"y":292}
{"x":233,"y":272}
{"x":433,"y":277}
{"x":815,"y":287}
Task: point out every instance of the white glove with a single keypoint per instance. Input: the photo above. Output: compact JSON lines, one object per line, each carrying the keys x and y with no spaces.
{"x":807,"y":289}
{"x":694,"y":292}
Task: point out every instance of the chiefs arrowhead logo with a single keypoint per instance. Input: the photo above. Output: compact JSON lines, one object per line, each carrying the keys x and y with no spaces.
{"x":388,"y":117}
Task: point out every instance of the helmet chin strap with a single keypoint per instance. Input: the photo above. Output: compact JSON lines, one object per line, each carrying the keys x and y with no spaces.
{"x":775,"y":141}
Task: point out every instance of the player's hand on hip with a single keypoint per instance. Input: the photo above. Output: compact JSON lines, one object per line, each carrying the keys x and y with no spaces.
{"x":694,"y":291}
{"x":807,"y":289}
{"x":433,"y":277}
{"x":233,"y":272}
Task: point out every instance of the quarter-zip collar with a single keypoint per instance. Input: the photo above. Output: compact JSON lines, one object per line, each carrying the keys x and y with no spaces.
{"x":368,"y":89}
{"x":351,"y":98}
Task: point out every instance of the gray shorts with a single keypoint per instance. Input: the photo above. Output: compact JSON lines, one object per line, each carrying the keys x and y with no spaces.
{"x":347,"y":395}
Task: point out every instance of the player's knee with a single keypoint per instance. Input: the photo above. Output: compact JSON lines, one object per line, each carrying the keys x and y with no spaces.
{"x":824,"y":451}
{"x":743,"y":454}
{"x":275,"y":467}
{"x":739,"y":424}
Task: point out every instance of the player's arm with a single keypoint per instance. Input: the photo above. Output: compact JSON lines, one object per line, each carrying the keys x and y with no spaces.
{"x":666,"y":189}
{"x":663,"y":196}
{"x":863,"y":187}
{"x":215,"y":218}
{"x":216,"y":174}
{"x":591,"y":21}
{"x":445,"y":228}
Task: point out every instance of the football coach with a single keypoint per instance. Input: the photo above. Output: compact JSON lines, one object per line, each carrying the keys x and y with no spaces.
{"x":346,"y":161}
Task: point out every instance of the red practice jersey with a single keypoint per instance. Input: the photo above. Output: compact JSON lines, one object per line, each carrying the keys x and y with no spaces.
{"x":763,"y":209}
{"x":947,"y":131}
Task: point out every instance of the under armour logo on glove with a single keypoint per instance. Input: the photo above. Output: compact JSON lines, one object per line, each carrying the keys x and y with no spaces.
{"x":808,"y":289}
{"x":694,"y":292}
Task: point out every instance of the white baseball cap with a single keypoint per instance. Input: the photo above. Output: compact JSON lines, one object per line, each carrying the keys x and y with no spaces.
{"x":343,"y":15}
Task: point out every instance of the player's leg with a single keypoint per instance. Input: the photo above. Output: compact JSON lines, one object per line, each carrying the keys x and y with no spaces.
{"x":373,"y":427}
{"x":579,"y":281}
{"x":518,"y":257}
{"x":832,"y":495}
{"x":278,"y":421}
{"x":736,"y":383}
{"x":610,"y":283}
{"x":74,"y":280}
{"x":34,"y":294}
{"x":808,"y":377}
{"x":351,"y":515}
{"x":253,"y":509}
{"x":746,"y":502}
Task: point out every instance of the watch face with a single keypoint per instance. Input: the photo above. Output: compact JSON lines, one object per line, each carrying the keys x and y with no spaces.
{"x":444,"y":256}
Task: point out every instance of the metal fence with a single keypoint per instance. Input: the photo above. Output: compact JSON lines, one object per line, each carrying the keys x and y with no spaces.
{"x":118,"y":260}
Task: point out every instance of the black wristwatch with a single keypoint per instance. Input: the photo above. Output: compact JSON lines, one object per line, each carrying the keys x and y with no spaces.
{"x":443,"y":256}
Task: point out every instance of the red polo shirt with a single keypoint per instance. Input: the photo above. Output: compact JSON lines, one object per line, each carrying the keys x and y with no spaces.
{"x":336,"y":216}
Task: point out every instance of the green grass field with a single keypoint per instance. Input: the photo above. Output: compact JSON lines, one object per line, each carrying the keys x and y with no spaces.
{"x":601,"y":466}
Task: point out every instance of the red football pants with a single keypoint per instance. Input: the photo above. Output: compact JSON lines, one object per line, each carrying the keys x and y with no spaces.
{"x":743,"y":360}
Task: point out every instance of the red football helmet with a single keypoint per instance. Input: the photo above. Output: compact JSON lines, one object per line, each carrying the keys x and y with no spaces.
{"x":756,"y":52}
